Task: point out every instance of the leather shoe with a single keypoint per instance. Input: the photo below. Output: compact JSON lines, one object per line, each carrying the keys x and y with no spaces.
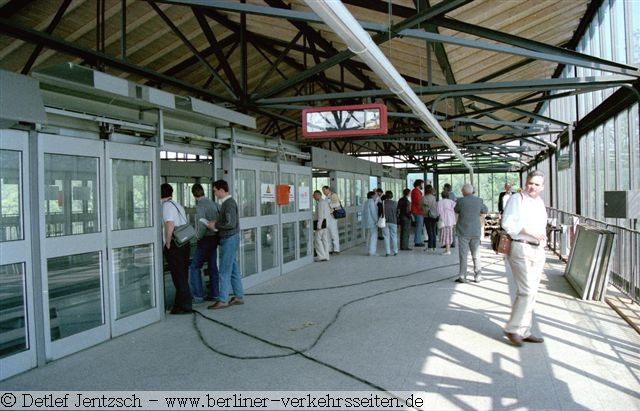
{"x":236,"y":301}
{"x":515,"y":339}
{"x":533,"y":339}
{"x":217,"y":305}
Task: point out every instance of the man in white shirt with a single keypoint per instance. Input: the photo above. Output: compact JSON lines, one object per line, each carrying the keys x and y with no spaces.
{"x":332,"y":224}
{"x":321,"y":234}
{"x":525,"y":220}
{"x":173,"y":215}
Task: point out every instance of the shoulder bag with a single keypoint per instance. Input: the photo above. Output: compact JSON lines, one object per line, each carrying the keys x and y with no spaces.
{"x":339,"y":213}
{"x":183,"y":234}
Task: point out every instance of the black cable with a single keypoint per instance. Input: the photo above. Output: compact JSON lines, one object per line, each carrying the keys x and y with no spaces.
{"x":303,"y":353}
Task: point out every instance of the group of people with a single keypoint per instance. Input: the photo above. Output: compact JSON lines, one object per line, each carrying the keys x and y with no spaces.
{"x":524,"y":218}
{"x":217,"y":227}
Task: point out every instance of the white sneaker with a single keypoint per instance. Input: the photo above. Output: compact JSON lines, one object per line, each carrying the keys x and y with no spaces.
{"x":447,"y":253}
{"x":477,"y":278}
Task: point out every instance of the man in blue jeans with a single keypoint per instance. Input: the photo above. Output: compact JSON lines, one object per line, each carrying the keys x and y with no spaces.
{"x":206,"y":249}
{"x":228,"y":226}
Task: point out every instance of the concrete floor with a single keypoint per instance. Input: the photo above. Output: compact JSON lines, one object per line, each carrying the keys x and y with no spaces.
{"x":359,"y":323}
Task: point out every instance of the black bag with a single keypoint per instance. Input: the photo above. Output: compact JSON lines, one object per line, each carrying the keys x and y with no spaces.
{"x":339,"y":213}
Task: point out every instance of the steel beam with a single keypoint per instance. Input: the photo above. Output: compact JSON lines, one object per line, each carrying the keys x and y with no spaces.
{"x":54,"y":23}
{"x":10,"y":28}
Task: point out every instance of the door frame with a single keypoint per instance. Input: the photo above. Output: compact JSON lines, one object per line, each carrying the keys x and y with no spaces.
{"x":19,"y":251}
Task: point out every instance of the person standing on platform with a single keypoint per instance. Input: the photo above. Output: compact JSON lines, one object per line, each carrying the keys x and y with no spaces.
{"x":177,"y":257}
{"x":469,"y":208}
{"x":206,"y":249}
{"x":332,"y":224}
{"x":447,"y":221}
{"x":416,"y":211}
{"x":390,"y":230}
{"x":451,"y":196}
{"x":404,"y":216}
{"x":228,"y":226}
{"x":525,"y":220}
{"x":504,"y":197}
{"x":429,"y":207}
{"x":370,"y":223}
{"x":320,"y":223}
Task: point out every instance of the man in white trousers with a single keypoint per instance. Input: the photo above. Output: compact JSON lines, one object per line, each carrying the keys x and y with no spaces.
{"x":332,"y":224}
{"x":525,"y":220}
{"x":321,"y":234}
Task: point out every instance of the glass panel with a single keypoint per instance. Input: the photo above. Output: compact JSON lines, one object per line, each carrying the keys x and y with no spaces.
{"x":75,"y":297}
{"x":133,"y":268}
{"x":624,"y":160}
{"x":288,"y":242}
{"x":10,"y":196}
{"x":13,"y":321}
{"x":358,"y":192}
{"x":342,"y":191}
{"x":289,"y":179}
{"x":305,"y":227}
{"x":246,"y":192}
{"x":304,"y":192}
{"x":131,"y":187}
{"x":70,"y":195}
{"x":267,"y":192}
{"x":269,"y":248}
{"x":248,"y":252}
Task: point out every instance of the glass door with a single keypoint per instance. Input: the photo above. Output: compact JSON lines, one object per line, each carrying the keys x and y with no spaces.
{"x":254,"y":190}
{"x":17,"y":328}
{"x":73,"y":243}
{"x":296,"y":218}
{"x":135,"y":259}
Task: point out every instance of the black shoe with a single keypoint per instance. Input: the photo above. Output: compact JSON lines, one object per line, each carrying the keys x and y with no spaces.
{"x":418,"y":245}
{"x":178,"y":310}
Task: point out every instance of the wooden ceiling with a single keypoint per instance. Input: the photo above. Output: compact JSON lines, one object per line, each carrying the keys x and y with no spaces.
{"x":261,"y":57}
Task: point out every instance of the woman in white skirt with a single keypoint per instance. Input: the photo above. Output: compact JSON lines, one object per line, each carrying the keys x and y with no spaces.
{"x":447,"y":221}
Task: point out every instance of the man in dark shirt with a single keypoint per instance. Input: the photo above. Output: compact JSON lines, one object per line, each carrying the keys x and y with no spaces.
{"x":504,"y":197}
{"x":404,"y":213}
{"x":206,"y":249}
{"x":228,"y":226}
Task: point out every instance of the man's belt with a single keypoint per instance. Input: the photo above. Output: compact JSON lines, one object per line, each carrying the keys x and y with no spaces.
{"x":526,"y":242}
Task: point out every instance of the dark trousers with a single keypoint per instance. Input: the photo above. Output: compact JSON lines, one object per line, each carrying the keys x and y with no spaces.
{"x":178,"y":262}
{"x":405,"y":231}
{"x":431,"y":225}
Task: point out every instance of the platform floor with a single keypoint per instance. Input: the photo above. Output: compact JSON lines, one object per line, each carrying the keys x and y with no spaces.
{"x":359,"y":323}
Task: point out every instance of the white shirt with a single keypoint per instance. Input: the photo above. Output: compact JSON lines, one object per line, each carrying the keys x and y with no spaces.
{"x":524,"y":212}
{"x":172,"y":213}
{"x":322,"y":213}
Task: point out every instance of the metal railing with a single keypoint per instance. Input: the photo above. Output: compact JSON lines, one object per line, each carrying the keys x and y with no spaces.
{"x":625,"y":262}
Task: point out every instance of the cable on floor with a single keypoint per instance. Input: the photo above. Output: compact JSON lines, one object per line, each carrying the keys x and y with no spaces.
{"x":303,"y":352}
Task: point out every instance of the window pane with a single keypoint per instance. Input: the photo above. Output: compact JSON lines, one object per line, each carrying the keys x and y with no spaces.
{"x":10,"y":196}
{"x":131,"y":194}
{"x":288,"y":242}
{"x":305,"y":228}
{"x":290,"y":180}
{"x":246,"y":192}
{"x":269,"y":248}
{"x":13,"y":323}
{"x":75,"y":298}
{"x":267,"y":193}
{"x":358,"y":192}
{"x":133,"y":267}
{"x":304,"y":192}
{"x":624,"y":165}
{"x":248,"y":252}
{"x":71,"y":195}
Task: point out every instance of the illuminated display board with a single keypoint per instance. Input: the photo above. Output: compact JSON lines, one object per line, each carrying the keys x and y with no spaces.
{"x":344,"y":121}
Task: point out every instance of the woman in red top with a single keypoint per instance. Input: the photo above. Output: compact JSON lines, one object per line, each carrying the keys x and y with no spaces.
{"x":416,"y":196}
